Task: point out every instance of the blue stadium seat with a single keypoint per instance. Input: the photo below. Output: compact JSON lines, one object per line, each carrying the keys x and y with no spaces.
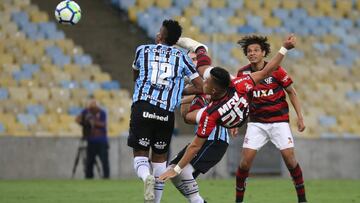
{"x":2,"y":128}
{"x":125,"y":4}
{"x":235,"y":4}
{"x":83,"y":60}
{"x":61,"y":60}
{"x":26,"y":119}
{"x":110,"y":85}
{"x":353,"y":96}
{"x":22,"y":75}
{"x":35,"y":109}
{"x":327,"y":121}
{"x":74,"y":110}
{"x":246,"y":29}
{"x":282,"y":14}
{"x":33,"y":68}
{"x":90,"y":86}
{"x":4,"y":94}
{"x":66,"y":84}
{"x":182,"y":3}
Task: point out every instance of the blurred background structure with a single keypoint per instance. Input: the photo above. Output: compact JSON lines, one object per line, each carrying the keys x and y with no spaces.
{"x":49,"y":71}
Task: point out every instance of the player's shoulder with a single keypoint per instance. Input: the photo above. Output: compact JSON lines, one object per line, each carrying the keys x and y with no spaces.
{"x":245,"y":70}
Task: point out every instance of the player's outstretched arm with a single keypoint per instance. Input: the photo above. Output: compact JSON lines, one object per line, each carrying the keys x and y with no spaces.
{"x":201,"y":50}
{"x":273,"y":64}
{"x":190,"y":153}
{"x":196,"y":88}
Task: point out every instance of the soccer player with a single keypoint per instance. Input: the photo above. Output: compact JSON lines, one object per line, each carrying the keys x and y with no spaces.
{"x":158,"y":71}
{"x":230,"y":102}
{"x":208,"y":156}
{"x":269,"y":116}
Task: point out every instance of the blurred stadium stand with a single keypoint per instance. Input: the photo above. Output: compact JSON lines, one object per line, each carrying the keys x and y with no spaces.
{"x":46,"y":79}
{"x":325,"y":64}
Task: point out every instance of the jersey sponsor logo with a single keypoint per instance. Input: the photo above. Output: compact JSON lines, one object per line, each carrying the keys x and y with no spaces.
{"x":163,"y":52}
{"x":239,"y":80}
{"x":203,"y":131}
{"x":144,"y":142}
{"x":290,"y":140}
{"x":147,"y":96}
{"x":268,"y":80}
{"x":160,"y":145}
{"x":263,"y":93}
{"x":285,"y":79}
{"x":155,"y":117}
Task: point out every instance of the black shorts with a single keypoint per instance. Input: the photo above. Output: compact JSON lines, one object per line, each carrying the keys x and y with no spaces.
{"x":150,"y":126}
{"x":208,"y":156}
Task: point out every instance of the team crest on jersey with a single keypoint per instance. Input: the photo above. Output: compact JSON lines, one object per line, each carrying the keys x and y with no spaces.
{"x":268,"y":80}
{"x":248,"y":87}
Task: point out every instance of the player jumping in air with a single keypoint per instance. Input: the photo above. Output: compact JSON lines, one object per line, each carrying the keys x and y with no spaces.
{"x":158,"y":70}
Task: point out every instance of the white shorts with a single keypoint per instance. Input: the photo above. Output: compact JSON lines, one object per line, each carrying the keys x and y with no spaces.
{"x":258,"y":134}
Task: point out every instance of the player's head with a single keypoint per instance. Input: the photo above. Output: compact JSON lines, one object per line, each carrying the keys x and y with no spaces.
{"x":93,"y":105}
{"x":169,"y":33}
{"x":193,"y":57}
{"x":217,"y":82}
{"x":255,"y":47}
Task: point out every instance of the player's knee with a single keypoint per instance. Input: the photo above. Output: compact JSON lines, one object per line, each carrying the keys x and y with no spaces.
{"x":245,"y":164}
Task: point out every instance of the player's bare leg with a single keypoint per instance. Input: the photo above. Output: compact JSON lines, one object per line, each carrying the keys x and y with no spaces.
{"x":158,"y":163}
{"x":142,"y":169}
{"x":295,"y":172}
{"x":247,"y":157}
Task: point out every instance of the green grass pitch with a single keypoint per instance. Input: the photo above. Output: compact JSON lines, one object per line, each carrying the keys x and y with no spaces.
{"x":259,"y":190}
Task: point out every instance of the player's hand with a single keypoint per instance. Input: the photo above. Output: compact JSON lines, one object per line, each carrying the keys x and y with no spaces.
{"x":234,"y":132}
{"x":290,"y":42}
{"x":170,"y":173}
{"x":300,"y":124}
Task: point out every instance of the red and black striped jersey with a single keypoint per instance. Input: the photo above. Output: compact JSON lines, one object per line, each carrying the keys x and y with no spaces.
{"x":229,"y":111}
{"x":269,"y":99}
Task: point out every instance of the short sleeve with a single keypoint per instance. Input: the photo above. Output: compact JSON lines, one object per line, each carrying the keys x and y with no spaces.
{"x":197,"y":103}
{"x":283,"y":77}
{"x":206,"y":125}
{"x":243,"y":84}
{"x":190,"y":70}
{"x":136,"y":62}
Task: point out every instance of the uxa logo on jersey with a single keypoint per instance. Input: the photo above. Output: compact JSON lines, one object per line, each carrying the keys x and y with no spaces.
{"x":263,"y":93}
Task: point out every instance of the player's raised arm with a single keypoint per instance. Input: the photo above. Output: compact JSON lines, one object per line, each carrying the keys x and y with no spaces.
{"x":273,"y":64}
{"x":203,"y":60}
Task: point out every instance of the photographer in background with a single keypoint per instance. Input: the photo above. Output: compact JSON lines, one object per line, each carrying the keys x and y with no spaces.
{"x":93,"y":122}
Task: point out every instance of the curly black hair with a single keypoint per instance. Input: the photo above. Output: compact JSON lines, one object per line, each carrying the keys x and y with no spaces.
{"x":221,"y":77}
{"x":173,"y":31}
{"x":255,"y":39}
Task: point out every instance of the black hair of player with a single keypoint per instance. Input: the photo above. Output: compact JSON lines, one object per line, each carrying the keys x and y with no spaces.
{"x":255,"y":39}
{"x":221,"y":77}
{"x":173,"y":31}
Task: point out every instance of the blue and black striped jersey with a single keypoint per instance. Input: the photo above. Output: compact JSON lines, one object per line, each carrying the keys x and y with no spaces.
{"x":161,"y":75}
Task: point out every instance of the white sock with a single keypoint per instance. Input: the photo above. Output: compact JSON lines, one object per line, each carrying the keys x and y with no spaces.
{"x":142,"y":167}
{"x":158,"y":169}
{"x":187,"y":185}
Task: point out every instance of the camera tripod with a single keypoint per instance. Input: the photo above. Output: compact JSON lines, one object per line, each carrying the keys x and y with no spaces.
{"x":81,"y":155}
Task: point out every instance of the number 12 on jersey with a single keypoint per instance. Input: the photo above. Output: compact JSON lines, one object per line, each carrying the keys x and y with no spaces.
{"x":160,"y":73}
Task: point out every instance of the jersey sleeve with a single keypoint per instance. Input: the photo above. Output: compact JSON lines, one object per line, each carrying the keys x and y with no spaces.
{"x":243,"y":84}
{"x":206,"y":125}
{"x":190,"y":70}
{"x":197,"y":103}
{"x":136,"y":62}
{"x":283,"y":77}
